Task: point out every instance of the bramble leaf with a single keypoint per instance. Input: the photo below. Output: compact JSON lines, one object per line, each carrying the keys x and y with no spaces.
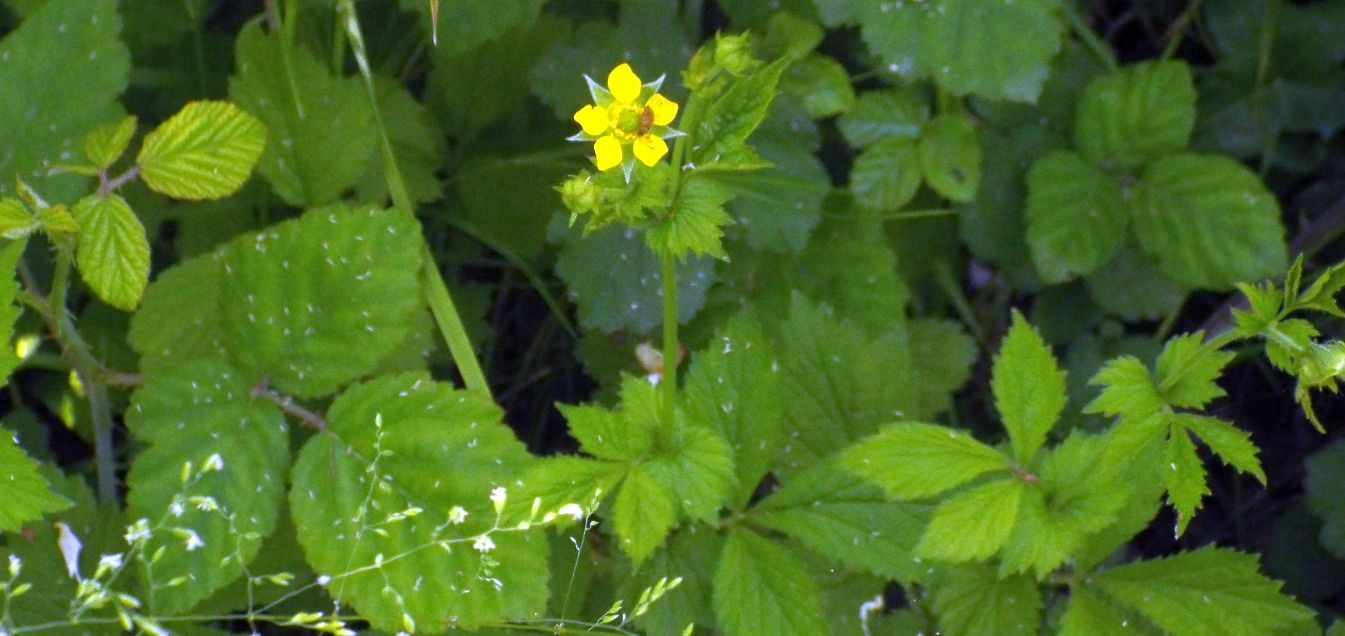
{"x":820,"y":83}
{"x":974,"y":524}
{"x":880,"y":114}
{"x":15,"y":221}
{"x":1130,"y":118}
{"x":104,"y":145}
{"x":1209,"y":590}
{"x":201,"y":412}
{"x":9,"y":309}
{"x":1029,"y":388}
{"x":180,"y":316}
{"x":1076,"y":216}
{"x":761,"y":588}
{"x":914,"y":461}
{"x":402,"y":442}
{"x":205,"y":151}
{"x":113,"y":251}
{"x":950,"y":156}
{"x":886,"y":174}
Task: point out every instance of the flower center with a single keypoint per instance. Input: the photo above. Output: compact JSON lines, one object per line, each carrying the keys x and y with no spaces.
{"x":625,"y":120}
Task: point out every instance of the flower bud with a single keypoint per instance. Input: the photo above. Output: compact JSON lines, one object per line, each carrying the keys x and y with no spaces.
{"x":580,"y":193}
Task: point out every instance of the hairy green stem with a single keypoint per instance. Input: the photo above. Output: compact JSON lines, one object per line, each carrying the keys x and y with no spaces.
{"x":668,"y":383}
{"x":436,"y":291}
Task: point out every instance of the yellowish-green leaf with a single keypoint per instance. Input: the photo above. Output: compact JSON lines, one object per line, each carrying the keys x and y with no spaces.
{"x":113,"y":252}
{"x":1029,"y":388}
{"x":913,"y":461}
{"x":15,"y":221}
{"x":105,"y":144}
{"x":205,"y":151}
{"x":973,"y":525}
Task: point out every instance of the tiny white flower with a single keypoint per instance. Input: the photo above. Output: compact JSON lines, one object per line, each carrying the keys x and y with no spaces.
{"x":110,"y":561}
{"x":457,"y":515}
{"x":176,"y":508}
{"x":483,"y":544}
{"x":193,"y":540}
{"x":213,"y":463}
{"x":497,"y":497}
{"x":70,"y":547}
{"x":15,"y":566}
{"x":324,"y":579}
{"x":572,"y":509}
{"x":137,"y":531}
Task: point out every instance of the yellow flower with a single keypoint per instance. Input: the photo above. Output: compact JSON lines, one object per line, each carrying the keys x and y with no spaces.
{"x":628,"y":120}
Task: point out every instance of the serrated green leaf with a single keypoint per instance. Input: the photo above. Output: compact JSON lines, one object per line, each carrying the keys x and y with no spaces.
{"x":1007,"y":58}
{"x":615,"y":280}
{"x":697,"y":465}
{"x":1127,"y":390}
{"x":821,"y":84}
{"x":1233,"y":445}
{"x":1090,"y":614}
{"x":299,"y":294}
{"x":189,"y":413}
{"x":447,"y":448}
{"x":1184,"y":478}
{"x":731,"y":118}
{"x":63,"y":69}
{"x":104,"y":145}
{"x":1264,"y":301}
{"x":15,"y":221}
{"x":1209,"y":221}
{"x":564,"y":479}
{"x":914,"y":461}
{"x":886,"y":174}
{"x":942,"y":354}
{"x":880,"y":114}
{"x":1039,"y":542}
{"x":205,"y":151}
{"x":1076,"y":216}
{"x":847,"y":520}
{"x":1210,"y":590}
{"x":316,"y":146}
{"x":689,"y":553}
{"x":1134,"y":116}
{"x":1187,"y":369}
{"x":1321,"y":295}
{"x":607,"y":434}
{"x":1291,"y":338}
{"x":696,"y":222}
{"x":9,"y":310}
{"x":57,"y":219}
{"x":733,"y":386}
{"x":974,"y":524}
{"x":1029,"y":388}
{"x":113,"y":251}
{"x":950,"y":156}
{"x":643,"y":514}
{"x":974,"y":601}
{"x":27,"y":495}
{"x":180,"y":316}
{"x":760,"y":588}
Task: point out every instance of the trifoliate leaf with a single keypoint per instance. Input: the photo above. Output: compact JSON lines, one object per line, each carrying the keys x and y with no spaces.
{"x":1325,"y":471}
{"x":1209,"y":221}
{"x":731,"y":118}
{"x":643,"y":513}
{"x":1132,"y":117}
{"x":974,"y":524}
{"x":1187,"y":369}
{"x":215,"y":468}
{"x":847,"y":520}
{"x":974,"y":601}
{"x":761,"y":588}
{"x":821,"y":84}
{"x":1127,"y":390}
{"x":1090,"y":614}
{"x":695,"y":224}
{"x":733,"y":388}
{"x":1184,"y":478}
{"x":404,"y":442}
{"x":1076,"y":216}
{"x":615,"y":280}
{"x":950,"y":156}
{"x":205,"y":151}
{"x":103,"y":145}
{"x":1233,"y":445}
{"x":113,"y":251}
{"x":62,"y":69}
{"x":914,"y":461}
{"x":27,"y":494}
{"x":321,"y":128}
{"x":1210,"y":590}
{"x":1029,"y":388}
{"x":318,"y":301}
{"x":886,"y":174}
{"x":1008,"y":58}
{"x":180,"y":318}
{"x":880,"y":114}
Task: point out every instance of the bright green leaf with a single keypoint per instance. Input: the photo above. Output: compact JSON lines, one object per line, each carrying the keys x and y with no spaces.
{"x":57,"y":219}
{"x":1184,"y":477}
{"x":1321,"y":295}
{"x":1090,"y":614}
{"x":730,"y":119}
{"x":9,"y":309}
{"x":15,"y":221}
{"x":104,"y":145}
{"x":180,"y":316}
{"x":886,"y":174}
{"x":205,"y":151}
{"x":201,"y":412}
{"x":406,"y":441}
{"x":696,"y":463}
{"x":950,"y":156}
{"x":642,"y":515}
{"x":1232,"y":444}
{"x":1209,"y":221}
{"x":691,"y":554}
{"x":1187,"y":369}
{"x":974,"y":601}
{"x":113,"y":251}
{"x":1210,"y":590}
{"x":1029,"y":388}
{"x":1141,"y":113}
{"x":606,"y":434}
{"x":696,"y":222}
{"x":1127,"y":390}
{"x":565,"y":479}
{"x":885,"y":113}
{"x":761,"y":588}
{"x":974,"y":524}
{"x":1076,"y":216}
{"x":914,"y":461}
{"x":27,"y":494}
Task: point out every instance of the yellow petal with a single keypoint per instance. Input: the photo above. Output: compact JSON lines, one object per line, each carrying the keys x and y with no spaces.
{"x":593,"y":119}
{"x":624,"y":83}
{"x":608,"y":151}
{"x":665,"y":110}
{"x":650,"y":148}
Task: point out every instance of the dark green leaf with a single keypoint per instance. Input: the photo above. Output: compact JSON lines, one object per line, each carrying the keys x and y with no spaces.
{"x":885,"y":113}
{"x":950,"y":156}
{"x":886,"y":174}
{"x":1076,"y":216}
{"x":1129,"y":119}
